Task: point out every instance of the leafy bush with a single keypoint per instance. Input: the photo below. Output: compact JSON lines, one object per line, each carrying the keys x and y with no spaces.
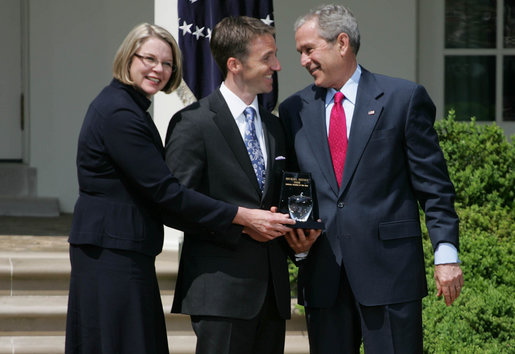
{"x":481,"y":164}
{"x":482,"y":320}
{"x":480,"y":161}
{"x":293,"y":270}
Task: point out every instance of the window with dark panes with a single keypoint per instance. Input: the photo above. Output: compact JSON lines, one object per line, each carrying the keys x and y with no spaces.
{"x":480,"y":59}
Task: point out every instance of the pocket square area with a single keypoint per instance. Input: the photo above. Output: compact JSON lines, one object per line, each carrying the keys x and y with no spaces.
{"x":280,"y":158}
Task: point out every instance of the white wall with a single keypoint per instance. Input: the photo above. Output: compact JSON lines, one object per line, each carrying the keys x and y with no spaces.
{"x":72,"y":44}
{"x":387,"y":46}
{"x":388,"y":39}
{"x":388,"y":43}
{"x":165,"y":105}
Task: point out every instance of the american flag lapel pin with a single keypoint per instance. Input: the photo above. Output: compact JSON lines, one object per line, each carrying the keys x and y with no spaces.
{"x":371,"y":113}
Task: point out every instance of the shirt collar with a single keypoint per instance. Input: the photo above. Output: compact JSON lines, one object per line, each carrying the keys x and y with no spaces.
{"x":236,"y":105}
{"x":349,"y":90}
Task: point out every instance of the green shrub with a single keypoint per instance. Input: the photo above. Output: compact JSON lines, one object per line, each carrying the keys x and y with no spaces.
{"x":482,"y":320}
{"x":480,"y":161}
{"x":293,"y":270}
{"x":481,"y":164}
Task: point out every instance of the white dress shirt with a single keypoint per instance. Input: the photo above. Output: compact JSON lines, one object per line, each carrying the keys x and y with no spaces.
{"x":237,"y":106}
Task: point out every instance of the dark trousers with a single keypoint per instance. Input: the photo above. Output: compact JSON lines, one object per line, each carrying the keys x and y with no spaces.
{"x":263,"y":334}
{"x":394,"y":328}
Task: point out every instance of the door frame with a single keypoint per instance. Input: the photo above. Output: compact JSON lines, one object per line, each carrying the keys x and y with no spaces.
{"x":25,"y":80}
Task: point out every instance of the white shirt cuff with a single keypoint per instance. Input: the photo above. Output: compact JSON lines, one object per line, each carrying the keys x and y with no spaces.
{"x":301,"y":256}
{"x":446,"y":253}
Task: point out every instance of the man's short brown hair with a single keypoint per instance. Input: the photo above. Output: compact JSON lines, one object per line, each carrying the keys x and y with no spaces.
{"x":231,"y":37}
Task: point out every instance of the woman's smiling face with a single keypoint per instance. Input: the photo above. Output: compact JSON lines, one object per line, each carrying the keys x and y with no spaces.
{"x":147,"y":77}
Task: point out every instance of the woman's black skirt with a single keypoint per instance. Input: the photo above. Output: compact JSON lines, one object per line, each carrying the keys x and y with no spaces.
{"x":114,"y":305}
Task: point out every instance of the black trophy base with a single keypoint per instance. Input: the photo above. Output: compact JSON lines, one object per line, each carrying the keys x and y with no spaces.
{"x":308,"y":224}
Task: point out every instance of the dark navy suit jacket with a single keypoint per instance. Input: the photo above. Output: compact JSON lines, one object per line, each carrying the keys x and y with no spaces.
{"x":127,"y":192}
{"x":393,"y":164}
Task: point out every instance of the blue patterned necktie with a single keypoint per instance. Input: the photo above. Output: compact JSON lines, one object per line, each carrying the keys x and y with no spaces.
{"x":252,"y":144}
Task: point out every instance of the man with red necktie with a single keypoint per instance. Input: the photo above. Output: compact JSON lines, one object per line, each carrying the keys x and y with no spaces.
{"x":369,"y":143}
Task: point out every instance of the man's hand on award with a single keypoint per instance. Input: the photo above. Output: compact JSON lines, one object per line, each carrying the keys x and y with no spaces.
{"x":262,"y":225}
{"x":301,"y":240}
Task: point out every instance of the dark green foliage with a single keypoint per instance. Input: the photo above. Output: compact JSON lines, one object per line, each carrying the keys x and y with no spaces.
{"x":292,"y":269}
{"x":480,"y":161}
{"x":481,"y":164}
{"x":482,"y":320}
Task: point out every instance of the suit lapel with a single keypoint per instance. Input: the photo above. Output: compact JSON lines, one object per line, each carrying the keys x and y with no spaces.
{"x":366,"y":113}
{"x":271,"y":145}
{"x":312,"y":115}
{"x":229,"y":129}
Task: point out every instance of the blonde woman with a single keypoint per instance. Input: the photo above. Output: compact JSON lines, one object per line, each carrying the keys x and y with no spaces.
{"x":126,"y":194}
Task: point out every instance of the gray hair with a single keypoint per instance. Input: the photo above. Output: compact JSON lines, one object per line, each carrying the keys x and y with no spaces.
{"x":333,"y":20}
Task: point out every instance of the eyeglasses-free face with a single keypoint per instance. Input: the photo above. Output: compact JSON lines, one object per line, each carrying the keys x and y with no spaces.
{"x":152,"y":67}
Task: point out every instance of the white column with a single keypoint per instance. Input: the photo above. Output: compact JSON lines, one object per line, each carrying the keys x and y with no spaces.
{"x":165,"y":15}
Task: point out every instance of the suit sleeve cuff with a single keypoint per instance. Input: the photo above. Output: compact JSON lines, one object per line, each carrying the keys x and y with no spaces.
{"x":446,"y":253}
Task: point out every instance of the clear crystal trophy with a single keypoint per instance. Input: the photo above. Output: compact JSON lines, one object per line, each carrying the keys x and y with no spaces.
{"x":297,"y":199}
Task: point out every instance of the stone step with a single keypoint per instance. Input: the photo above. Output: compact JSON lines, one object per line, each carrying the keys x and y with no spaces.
{"x":15,"y":230}
{"x":22,"y":315}
{"x":34,"y":276}
{"x":178,"y":344}
{"x":17,"y":180}
{"x":29,"y":206}
{"x":48,"y":272}
{"x":18,"y":193}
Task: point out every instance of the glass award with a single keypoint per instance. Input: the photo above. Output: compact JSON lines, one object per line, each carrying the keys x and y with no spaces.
{"x":296,"y":199}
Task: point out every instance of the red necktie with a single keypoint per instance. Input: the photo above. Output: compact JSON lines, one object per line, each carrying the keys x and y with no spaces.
{"x":338,"y":136}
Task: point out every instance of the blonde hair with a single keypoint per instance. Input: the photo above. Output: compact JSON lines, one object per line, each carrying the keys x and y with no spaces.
{"x":131,"y":44}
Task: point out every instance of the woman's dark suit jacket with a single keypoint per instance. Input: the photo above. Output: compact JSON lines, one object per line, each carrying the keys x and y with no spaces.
{"x":127,"y":192}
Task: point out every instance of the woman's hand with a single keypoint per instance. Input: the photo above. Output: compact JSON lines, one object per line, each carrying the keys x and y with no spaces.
{"x":262,"y":225}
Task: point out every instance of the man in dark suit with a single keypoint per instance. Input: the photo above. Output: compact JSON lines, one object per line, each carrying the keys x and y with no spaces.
{"x":236,"y":289}
{"x":369,"y":143}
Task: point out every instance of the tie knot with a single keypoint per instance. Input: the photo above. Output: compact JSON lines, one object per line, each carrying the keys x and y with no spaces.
{"x":338,"y":97}
{"x":250,"y":113}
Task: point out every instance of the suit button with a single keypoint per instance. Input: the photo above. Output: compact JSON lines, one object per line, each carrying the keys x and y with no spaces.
{"x":341,"y":204}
